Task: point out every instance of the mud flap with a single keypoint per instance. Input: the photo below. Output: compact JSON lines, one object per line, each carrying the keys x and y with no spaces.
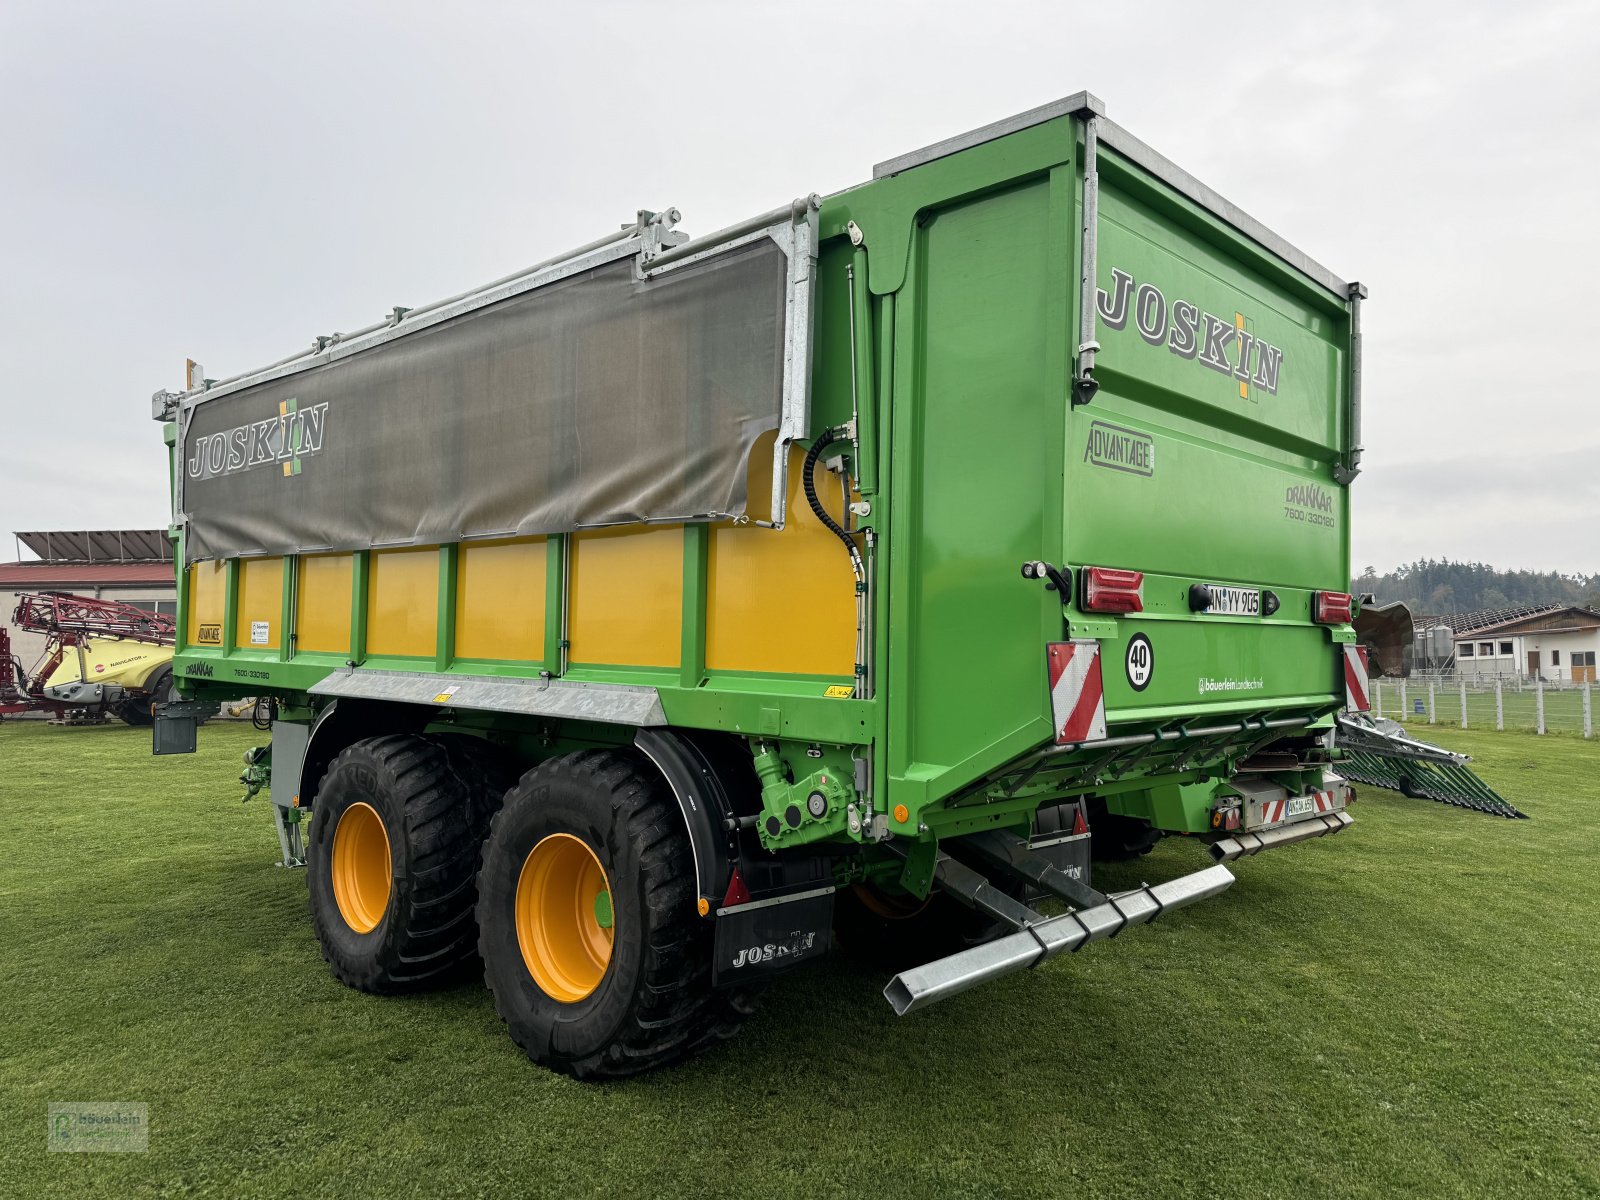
{"x":762,"y":938}
{"x":175,"y":729}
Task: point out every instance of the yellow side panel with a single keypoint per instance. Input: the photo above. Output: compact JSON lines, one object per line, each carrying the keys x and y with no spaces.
{"x":260,"y":599}
{"x":403,"y":602}
{"x":500,"y":600}
{"x":625,"y":598}
{"x":208,"y":595}
{"x":782,"y":601}
{"x":322,"y":604}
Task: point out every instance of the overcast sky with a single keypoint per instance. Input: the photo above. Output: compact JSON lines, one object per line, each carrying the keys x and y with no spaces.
{"x":195,"y":181}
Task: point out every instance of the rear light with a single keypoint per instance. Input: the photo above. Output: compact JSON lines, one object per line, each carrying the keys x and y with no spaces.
{"x":1108,"y":590}
{"x":1330,"y":608}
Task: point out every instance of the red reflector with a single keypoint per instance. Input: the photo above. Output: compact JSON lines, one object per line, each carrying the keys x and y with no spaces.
{"x":737,"y":892}
{"x":1106,"y":589}
{"x":1330,"y":608}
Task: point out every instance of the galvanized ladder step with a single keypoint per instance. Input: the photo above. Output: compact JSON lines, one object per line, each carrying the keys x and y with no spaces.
{"x":1036,"y":937}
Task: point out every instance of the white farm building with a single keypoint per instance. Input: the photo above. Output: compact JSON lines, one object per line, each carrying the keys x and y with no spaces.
{"x":1557,"y":642}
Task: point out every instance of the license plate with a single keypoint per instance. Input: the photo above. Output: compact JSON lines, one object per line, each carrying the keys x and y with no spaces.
{"x":1300,"y":807}
{"x":1235,"y":601}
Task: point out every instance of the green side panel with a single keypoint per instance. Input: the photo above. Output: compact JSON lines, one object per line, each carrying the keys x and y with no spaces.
{"x":1207,"y":457}
{"x":976,"y":476}
{"x":1215,"y":494}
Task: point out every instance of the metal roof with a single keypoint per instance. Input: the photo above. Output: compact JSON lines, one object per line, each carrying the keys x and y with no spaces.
{"x":1490,"y":620}
{"x":39,"y":576}
{"x":99,"y":545}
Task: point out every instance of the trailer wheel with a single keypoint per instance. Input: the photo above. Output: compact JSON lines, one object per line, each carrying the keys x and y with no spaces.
{"x":599,"y":965}
{"x":139,"y":710}
{"x":392,"y":860}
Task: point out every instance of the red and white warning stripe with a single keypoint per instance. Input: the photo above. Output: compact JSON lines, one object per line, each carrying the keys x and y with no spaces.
{"x":1357,"y":689}
{"x":1273,"y":811}
{"x":1077,"y":691}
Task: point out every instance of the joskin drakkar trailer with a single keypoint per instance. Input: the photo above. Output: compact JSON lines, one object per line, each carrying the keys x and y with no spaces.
{"x":638,"y":619}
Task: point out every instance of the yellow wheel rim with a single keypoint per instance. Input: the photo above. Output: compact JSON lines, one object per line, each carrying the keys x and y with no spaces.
{"x":362,"y":877}
{"x":564,"y":918}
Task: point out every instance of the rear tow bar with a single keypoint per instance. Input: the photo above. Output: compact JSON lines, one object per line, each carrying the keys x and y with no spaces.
{"x":1037,"y":937}
{"x":1240,"y":845}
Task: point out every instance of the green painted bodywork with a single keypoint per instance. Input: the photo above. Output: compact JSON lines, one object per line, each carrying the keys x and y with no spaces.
{"x":973,"y":459}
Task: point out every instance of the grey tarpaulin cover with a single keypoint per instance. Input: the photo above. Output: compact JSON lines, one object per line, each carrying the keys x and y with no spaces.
{"x":595,"y":400}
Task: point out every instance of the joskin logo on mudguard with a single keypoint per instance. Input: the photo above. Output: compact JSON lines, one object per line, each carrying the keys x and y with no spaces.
{"x":294,"y":434}
{"x":1221,"y":343}
{"x":796,"y":945}
{"x":1120,"y":449}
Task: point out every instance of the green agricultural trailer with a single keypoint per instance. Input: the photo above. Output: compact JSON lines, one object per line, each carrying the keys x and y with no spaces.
{"x":646,"y":621}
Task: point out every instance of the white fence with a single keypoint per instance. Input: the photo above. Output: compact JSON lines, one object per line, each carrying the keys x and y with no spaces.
{"x":1471,"y":702}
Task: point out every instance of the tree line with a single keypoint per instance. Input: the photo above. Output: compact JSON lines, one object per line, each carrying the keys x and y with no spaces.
{"x":1442,"y":587}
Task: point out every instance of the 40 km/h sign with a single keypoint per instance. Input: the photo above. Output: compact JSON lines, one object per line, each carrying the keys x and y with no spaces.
{"x":1141,"y":662}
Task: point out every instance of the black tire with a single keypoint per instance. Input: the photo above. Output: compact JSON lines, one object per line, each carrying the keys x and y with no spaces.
{"x":488,"y":773}
{"x":135,"y":711}
{"x":1115,"y":838}
{"x":140,"y":710}
{"x":653,"y":1004}
{"x":434,"y":798}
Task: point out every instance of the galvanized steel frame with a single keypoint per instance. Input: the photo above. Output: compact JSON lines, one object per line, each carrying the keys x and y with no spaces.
{"x":793,"y":228}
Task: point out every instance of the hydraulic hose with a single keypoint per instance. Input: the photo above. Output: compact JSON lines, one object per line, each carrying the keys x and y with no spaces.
{"x":857,"y":565}
{"x":808,"y":480}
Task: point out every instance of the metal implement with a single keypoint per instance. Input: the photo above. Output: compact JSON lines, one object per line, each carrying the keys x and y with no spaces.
{"x":99,"y":656}
{"x":1242,"y":845}
{"x":1041,"y":938}
{"x":1378,"y":752}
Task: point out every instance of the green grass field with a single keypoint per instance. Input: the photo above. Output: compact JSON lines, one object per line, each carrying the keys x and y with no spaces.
{"x":1411,"y":1008}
